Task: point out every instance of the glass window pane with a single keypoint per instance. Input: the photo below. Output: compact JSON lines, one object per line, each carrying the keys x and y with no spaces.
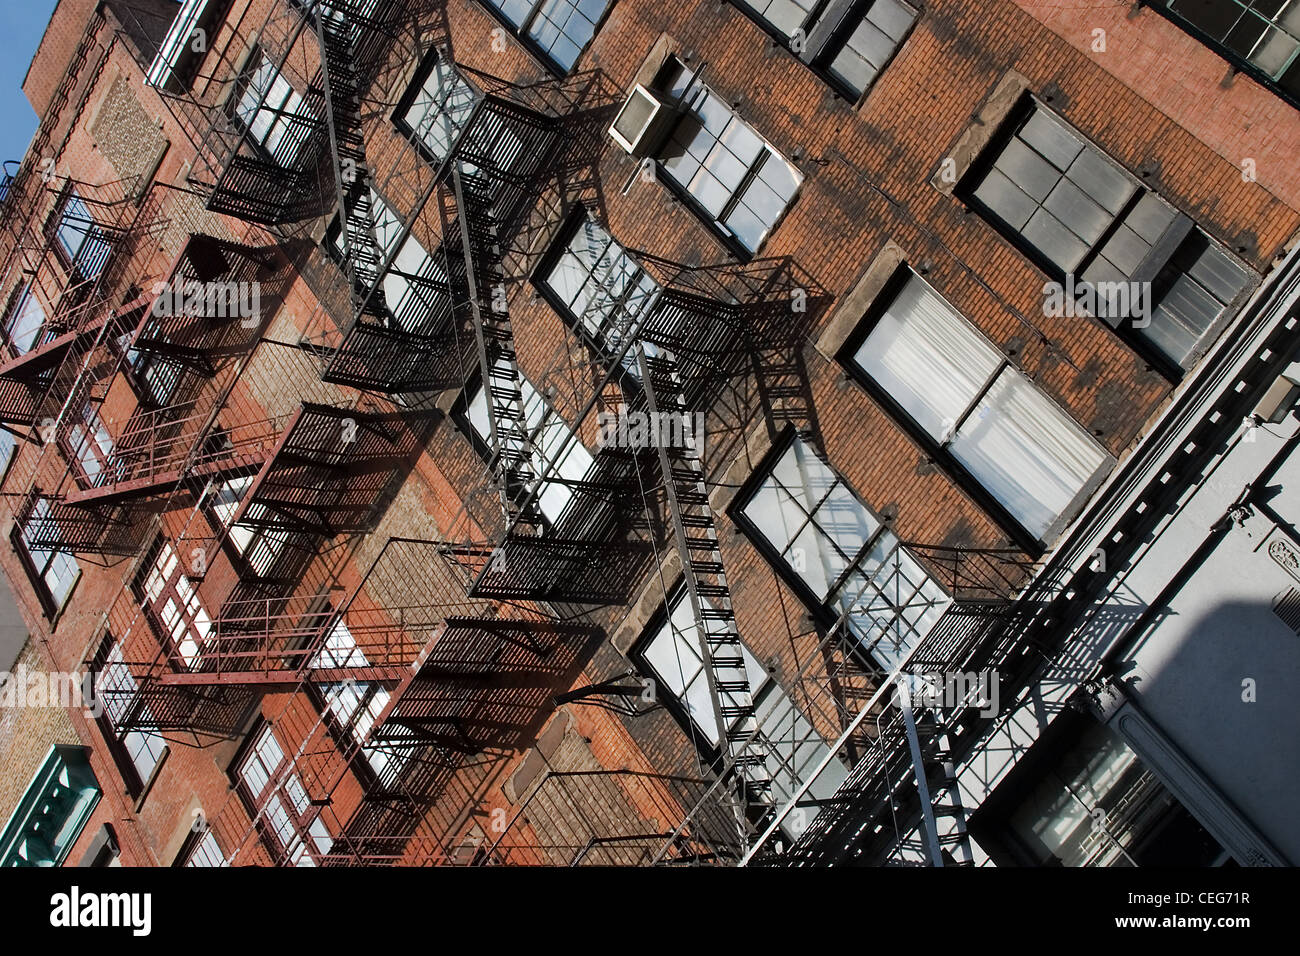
{"x":1028,"y":453}
{"x":1055,"y":240}
{"x":930,"y":360}
{"x":1051,"y":139}
{"x":25,"y":322}
{"x":1103,"y":181}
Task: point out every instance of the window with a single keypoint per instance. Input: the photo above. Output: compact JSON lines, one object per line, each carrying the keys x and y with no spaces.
{"x":177,"y":54}
{"x":1082,"y":797}
{"x":91,"y":447}
{"x":1077,"y":213}
{"x":81,"y":239}
{"x":1263,"y":35}
{"x":436,"y":108}
{"x":672,"y":653}
{"x":967,"y":401}
{"x":54,"y":573}
{"x":174,"y":605}
{"x":25,"y":321}
{"x":599,"y":288}
{"x":415,"y":286}
{"x":7,"y":448}
{"x":204,"y":851}
{"x":156,"y":377}
{"x":259,"y":547}
{"x":734,"y":176}
{"x":843,"y":557}
{"x":347,"y":19}
{"x":279,"y":802}
{"x":138,"y":751}
{"x":357,"y":706}
{"x":439,"y":114}
{"x":558,"y":29}
{"x":53,"y":810}
{"x":848,"y":41}
{"x":273,"y":112}
{"x":548,"y":433}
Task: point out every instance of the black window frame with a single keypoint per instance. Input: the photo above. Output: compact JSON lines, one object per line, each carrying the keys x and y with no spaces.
{"x":559,"y":244}
{"x":74,"y":262}
{"x":304,"y":151}
{"x":990,"y":823}
{"x":1134,"y":338}
{"x":135,"y":784}
{"x":822,"y":615}
{"x":459,"y":414}
{"x":1237,"y":62}
{"x":679,"y":191}
{"x":51,"y":608}
{"x":846,"y":19}
{"x":710,"y":754}
{"x":182,"y":74}
{"x":936,"y":452}
{"x":414,"y":86}
{"x":520,"y":33}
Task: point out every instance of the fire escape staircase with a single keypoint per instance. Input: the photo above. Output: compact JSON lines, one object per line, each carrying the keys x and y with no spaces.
{"x":363,"y":257}
{"x":512,"y":448}
{"x":705,"y":578}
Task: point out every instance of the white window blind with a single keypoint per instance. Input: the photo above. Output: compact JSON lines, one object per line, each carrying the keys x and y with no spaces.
{"x":962,"y":393}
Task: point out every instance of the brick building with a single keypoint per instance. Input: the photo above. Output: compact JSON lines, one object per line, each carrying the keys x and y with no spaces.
{"x":550,"y":433}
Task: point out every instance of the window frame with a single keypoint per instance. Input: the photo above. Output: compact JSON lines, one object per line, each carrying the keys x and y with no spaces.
{"x":1236,"y":61}
{"x":282,"y":119}
{"x":74,"y":261}
{"x":991,"y":824}
{"x":822,"y":613}
{"x":681,"y":192}
{"x":300,"y":821}
{"x":274,"y":540}
{"x":1134,"y":338}
{"x":324,"y":696}
{"x":134,"y":781}
{"x":938,"y":452}
{"x":83,"y":442}
{"x":764,"y":695}
{"x":177,"y":71}
{"x":460,"y":415}
{"x":414,"y":87}
{"x":426,"y":294}
{"x":189,"y":850}
{"x":52,"y":606}
{"x":834,"y":42}
{"x":23,"y":296}
{"x":520,"y":33}
{"x":172,"y":639}
{"x":573,"y":221}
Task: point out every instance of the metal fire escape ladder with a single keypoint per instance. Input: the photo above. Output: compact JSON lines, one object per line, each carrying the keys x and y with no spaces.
{"x":363,"y":258}
{"x":705,"y":579}
{"x":512,"y":448}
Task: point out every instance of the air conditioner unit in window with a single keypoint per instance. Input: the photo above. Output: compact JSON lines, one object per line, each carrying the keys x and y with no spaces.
{"x":644,"y":121}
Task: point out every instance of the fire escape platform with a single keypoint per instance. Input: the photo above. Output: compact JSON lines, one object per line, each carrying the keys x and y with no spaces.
{"x":234,"y":466}
{"x":287,"y":678}
{"x":45,"y":357}
{"x":328,"y":469}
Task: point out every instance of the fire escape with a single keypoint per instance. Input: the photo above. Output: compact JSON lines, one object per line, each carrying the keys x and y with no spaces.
{"x":470,"y":666}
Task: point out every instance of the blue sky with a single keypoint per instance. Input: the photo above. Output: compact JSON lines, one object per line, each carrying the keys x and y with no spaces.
{"x":21,"y":24}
